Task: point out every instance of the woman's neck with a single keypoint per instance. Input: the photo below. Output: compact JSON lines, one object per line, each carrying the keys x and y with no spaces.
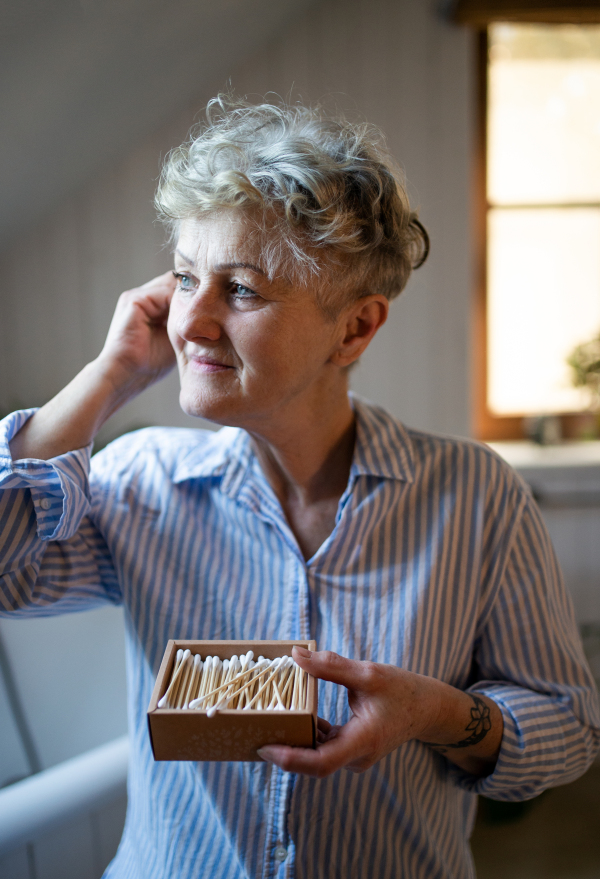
{"x":307,"y":464}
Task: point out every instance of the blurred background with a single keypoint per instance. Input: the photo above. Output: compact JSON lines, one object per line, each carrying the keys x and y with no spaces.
{"x":493,"y":110}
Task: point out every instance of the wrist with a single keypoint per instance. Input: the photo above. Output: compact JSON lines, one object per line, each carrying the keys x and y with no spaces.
{"x":115,"y":383}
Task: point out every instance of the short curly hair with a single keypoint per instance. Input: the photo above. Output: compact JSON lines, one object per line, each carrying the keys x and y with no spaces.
{"x":323,"y":189}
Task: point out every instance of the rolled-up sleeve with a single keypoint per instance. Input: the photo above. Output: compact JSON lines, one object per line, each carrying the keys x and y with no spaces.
{"x":530,"y":661}
{"x":51,"y":556}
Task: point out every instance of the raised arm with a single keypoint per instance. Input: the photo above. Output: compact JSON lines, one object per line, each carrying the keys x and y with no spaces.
{"x":52,"y":556}
{"x":137,"y":352}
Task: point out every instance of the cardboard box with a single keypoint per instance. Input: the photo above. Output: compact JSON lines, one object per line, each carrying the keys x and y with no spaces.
{"x":231,"y":734}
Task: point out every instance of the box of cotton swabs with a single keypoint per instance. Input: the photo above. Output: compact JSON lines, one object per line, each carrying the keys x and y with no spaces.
{"x":221,"y":700}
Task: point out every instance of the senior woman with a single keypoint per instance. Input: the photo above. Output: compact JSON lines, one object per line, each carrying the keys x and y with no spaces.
{"x":419,"y":562}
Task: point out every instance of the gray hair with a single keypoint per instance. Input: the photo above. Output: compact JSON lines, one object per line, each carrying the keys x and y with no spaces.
{"x":325,"y":186}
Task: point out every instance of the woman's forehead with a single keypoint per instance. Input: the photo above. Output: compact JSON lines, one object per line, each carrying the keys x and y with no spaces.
{"x":224,"y":239}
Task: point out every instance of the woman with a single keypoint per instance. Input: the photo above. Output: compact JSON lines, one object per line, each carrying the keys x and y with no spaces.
{"x":419,"y":562}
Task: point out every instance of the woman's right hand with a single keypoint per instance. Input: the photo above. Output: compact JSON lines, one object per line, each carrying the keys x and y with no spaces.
{"x":137,"y":352}
{"x":137,"y":349}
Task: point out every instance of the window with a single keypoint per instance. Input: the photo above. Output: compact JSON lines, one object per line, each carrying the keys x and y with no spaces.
{"x":539,"y":224}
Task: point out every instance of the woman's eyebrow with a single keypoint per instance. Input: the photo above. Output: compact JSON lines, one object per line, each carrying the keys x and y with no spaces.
{"x":189,"y":261}
{"x":222,"y":266}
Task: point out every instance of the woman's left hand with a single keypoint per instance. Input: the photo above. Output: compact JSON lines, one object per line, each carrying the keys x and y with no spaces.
{"x":390,"y":706}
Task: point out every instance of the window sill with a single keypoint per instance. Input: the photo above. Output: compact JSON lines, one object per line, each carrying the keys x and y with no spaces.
{"x":561,"y":476}
{"x":522,"y":454}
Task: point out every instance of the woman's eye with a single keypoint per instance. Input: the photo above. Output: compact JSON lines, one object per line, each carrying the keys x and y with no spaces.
{"x":184,"y":281}
{"x":243,"y":292}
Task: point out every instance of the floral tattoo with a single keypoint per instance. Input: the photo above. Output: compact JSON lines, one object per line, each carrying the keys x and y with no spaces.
{"x":478,"y":727}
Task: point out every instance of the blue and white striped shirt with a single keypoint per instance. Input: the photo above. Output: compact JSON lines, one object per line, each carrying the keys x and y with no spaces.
{"x":438,"y":563}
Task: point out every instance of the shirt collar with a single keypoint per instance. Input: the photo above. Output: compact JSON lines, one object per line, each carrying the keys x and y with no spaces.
{"x":226,"y":453}
{"x":383,"y":448}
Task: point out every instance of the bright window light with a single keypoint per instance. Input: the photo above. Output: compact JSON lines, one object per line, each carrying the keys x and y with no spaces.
{"x":544,"y":213}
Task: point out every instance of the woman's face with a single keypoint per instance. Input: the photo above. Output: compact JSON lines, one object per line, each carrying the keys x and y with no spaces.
{"x":250,"y":350}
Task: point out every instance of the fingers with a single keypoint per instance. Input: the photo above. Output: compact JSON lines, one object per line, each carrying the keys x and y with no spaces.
{"x":329,"y":666}
{"x":324,"y":726}
{"x":345,"y":748}
{"x":325,"y":730}
{"x":153,"y":297}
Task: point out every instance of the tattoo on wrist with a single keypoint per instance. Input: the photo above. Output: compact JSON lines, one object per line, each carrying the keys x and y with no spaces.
{"x":478,"y":727}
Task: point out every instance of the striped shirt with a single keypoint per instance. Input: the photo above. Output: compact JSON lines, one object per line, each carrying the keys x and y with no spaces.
{"x":438,"y":563}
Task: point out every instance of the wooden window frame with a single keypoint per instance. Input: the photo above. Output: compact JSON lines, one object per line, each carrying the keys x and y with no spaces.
{"x":488,"y":426}
{"x":481,"y":13}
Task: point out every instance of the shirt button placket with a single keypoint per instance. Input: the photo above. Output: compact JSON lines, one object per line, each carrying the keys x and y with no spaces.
{"x":280,"y":853}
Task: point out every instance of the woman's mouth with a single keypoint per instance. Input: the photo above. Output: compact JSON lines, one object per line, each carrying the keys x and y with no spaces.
{"x":208,"y":364}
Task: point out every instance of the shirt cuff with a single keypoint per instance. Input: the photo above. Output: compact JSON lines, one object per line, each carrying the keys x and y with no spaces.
{"x":59,"y":487}
{"x":539,"y":739}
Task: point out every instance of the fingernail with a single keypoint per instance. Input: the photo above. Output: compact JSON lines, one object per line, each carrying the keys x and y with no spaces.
{"x":303,"y":652}
{"x":263,"y":754}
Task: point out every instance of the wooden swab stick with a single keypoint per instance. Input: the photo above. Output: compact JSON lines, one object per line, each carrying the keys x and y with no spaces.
{"x":276,"y":701}
{"x":247,"y":693}
{"x":165,"y":698}
{"x":286,"y":690}
{"x":262,"y":667}
{"x":216,"y":675}
{"x":230,"y":693}
{"x":277,"y":698}
{"x":301,"y":699}
{"x":176,"y":669}
{"x":223,"y":701}
{"x":286,"y":693}
{"x":244,"y":663}
{"x":295,"y":690}
{"x":274,"y":669}
{"x":179,"y":694}
{"x":206,"y":671}
{"x":193,"y":677}
{"x":223,"y":686}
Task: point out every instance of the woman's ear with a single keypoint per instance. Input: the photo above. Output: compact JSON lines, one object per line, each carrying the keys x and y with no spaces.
{"x":360,"y":323}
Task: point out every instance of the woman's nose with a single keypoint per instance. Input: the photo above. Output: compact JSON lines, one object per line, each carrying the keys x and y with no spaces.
{"x":198,"y":318}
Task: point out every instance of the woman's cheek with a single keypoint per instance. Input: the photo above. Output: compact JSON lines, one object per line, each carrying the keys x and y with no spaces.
{"x":173,"y":323}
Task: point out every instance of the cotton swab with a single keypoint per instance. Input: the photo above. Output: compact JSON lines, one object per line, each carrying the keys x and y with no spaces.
{"x":238,"y":683}
{"x":196,"y":670}
{"x":229,"y":694}
{"x":277,"y":700}
{"x":179,"y":697}
{"x":224,"y":686}
{"x":274,"y":668}
{"x":178,"y":667}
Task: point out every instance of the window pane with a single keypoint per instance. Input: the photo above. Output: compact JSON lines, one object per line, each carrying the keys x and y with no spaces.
{"x":543,"y":299}
{"x":544,"y":114}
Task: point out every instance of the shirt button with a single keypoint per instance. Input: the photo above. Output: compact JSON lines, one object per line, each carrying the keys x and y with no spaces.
{"x":45,"y":503}
{"x":280,"y":853}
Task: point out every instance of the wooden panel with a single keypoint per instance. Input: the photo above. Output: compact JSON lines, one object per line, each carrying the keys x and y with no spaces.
{"x":480,"y":13}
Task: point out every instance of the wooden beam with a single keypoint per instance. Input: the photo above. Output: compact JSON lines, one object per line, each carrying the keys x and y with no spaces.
{"x":480,"y":13}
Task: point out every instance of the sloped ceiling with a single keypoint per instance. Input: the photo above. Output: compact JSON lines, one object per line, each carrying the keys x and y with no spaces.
{"x":82,"y":80}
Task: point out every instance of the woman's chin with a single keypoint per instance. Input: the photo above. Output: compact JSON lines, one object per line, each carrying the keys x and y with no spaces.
{"x":209,"y":406}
